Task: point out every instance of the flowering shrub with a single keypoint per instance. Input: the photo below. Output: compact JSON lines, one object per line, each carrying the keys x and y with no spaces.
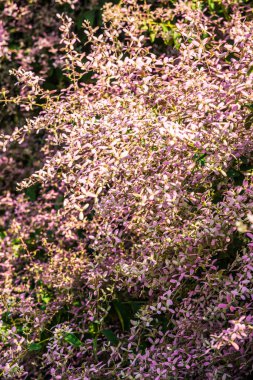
{"x":127,"y":252}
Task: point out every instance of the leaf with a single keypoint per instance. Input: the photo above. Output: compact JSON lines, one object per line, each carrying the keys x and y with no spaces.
{"x":200,"y":158}
{"x":176,"y":39}
{"x":110,"y":336}
{"x":250,"y":70}
{"x":2,"y":234}
{"x":248,"y":121}
{"x":93,"y":328}
{"x":222,"y":306}
{"x":32,"y":192}
{"x":35,"y":346}
{"x":90,"y":16}
{"x":46,"y":298}
{"x":59,"y":202}
{"x":152,"y":36}
{"x":249,"y":106}
{"x":116,"y":307}
{"x":211,"y":5}
{"x":72,"y":339}
{"x":124,"y":313}
{"x":164,"y":27}
{"x":6,"y":317}
{"x":95,"y":345}
{"x":236,"y":175}
{"x":136,"y":305}
{"x":235,"y":345}
{"x":87,"y":15}
{"x":144,"y":27}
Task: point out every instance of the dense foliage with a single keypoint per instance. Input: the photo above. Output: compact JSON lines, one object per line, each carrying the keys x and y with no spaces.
{"x":126,"y":198}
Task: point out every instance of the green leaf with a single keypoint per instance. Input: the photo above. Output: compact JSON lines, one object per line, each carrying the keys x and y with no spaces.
{"x":164,"y":27}
{"x":176,"y":39}
{"x":249,"y":121}
{"x":59,"y":202}
{"x":136,"y":305}
{"x":95,"y":345}
{"x":90,"y":16}
{"x":211,"y":5}
{"x":152,"y":36}
{"x":232,"y":173}
{"x":72,"y":339}
{"x":2,"y":234}
{"x":87,"y":15}
{"x":124,"y":313}
{"x":32,"y":192}
{"x":249,"y":106}
{"x":93,"y":328}
{"x":236,"y":175}
{"x":35,"y":346}
{"x":46,"y":298}
{"x":6,"y":317}
{"x":200,"y":158}
{"x":110,"y":336}
{"x":16,"y":249}
{"x":144,"y":27}
{"x":250,"y":70}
